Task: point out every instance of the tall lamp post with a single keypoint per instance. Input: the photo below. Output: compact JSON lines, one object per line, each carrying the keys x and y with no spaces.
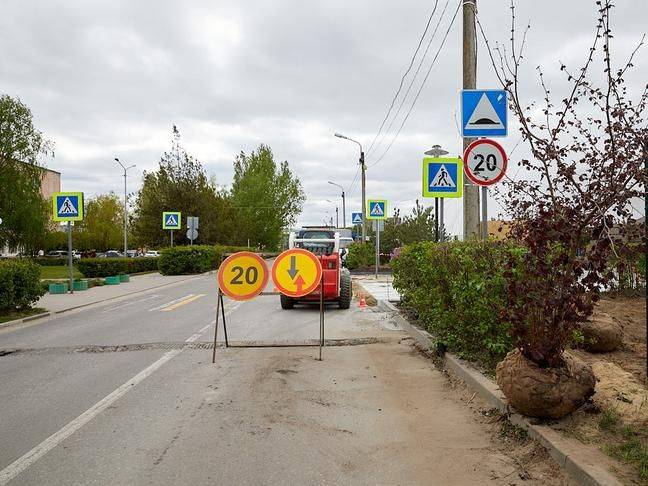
{"x":125,"y":205}
{"x":364,"y":194}
{"x":337,"y":215}
{"x":437,"y":151}
{"x":343,"y":203}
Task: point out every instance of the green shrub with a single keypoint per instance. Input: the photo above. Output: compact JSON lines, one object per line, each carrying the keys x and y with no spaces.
{"x":457,"y":290}
{"x":361,"y":255}
{"x":107,"y":267}
{"x":186,"y":260}
{"x":20,"y":284}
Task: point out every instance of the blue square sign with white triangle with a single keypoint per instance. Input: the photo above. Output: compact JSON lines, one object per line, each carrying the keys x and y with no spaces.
{"x":171,"y":220}
{"x":376,"y":209}
{"x":356,"y":218}
{"x":484,"y":113}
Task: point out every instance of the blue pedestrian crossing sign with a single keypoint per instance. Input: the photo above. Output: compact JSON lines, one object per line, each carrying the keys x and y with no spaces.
{"x":376,"y":209}
{"x":67,"y":206}
{"x":442,"y":177}
{"x":171,"y":220}
{"x":356,"y":218}
{"x":484,"y":113}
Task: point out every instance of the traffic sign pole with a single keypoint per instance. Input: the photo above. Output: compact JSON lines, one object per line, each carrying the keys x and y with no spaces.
{"x":171,"y":238}
{"x":484,"y":197}
{"x":377,"y":247}
{"x":70,"y":268}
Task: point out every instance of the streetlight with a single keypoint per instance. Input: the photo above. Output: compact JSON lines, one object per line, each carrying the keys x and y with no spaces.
{"x":125,"y":206}
{"x":437,"y":151}
{"x":364,"y":201}
{"x":343,"y":203}
{"x":337,"y":216}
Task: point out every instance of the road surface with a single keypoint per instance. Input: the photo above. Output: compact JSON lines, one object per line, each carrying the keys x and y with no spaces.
{"x":125,"y":393}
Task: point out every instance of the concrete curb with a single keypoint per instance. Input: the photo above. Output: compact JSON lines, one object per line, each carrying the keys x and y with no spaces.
{"x":586,"y":466}
{"x":50,"y":314}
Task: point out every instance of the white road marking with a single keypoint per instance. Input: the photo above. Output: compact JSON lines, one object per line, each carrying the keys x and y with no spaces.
{"x":26,"y":460}
{"x":30,"y":457}
{"x":132,"y":302}
{"x":170,"y":303}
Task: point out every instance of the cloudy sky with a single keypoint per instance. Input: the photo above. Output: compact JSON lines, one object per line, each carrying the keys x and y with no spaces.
{"x":109,"y":79}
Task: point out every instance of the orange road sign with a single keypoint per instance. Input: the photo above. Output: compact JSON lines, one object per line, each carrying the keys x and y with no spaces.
{"x":296,"y":272}
{"x":243,"y":275}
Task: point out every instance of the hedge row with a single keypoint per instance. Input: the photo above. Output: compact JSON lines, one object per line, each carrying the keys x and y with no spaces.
{"x":19,"y":284}
{"x":457,"y":291}
{"x":50,"y":262}
{"x":107,"y":267}
{"x":185,"y":260}
{"x":361,"y":255}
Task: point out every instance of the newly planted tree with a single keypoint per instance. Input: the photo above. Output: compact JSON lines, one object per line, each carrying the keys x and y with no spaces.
{"x":573,"y":214}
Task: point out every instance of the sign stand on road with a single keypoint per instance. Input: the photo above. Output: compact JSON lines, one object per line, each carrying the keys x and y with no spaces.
{"x":68,"y":206}
{"x":172,"y":220}
{"x":243,"y":276}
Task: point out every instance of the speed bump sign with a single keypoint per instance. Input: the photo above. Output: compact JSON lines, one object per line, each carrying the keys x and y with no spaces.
{"x":296,"y":272}
{"x":243,"y":275}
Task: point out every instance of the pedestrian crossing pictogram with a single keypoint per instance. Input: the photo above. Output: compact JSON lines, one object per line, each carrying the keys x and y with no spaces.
{"x":67,"y":207}
{"x":171,"y":220}
{"x":442,"y":178}
{"x":376,"y":209}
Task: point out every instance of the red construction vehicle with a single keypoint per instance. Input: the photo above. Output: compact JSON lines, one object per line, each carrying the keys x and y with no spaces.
{"x":325,"y":243}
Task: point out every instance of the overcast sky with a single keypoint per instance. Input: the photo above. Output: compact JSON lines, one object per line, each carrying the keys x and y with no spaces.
{"x":109,"y":79}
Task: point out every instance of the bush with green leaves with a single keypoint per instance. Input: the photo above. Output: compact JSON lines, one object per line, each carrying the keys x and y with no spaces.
{"x":360,"y":255}
{"x":51,"y":262}
{"x":187,"y":260}
{"x":19,"y":284}
{"x":458,"y":290}
{"x":108,"y":267}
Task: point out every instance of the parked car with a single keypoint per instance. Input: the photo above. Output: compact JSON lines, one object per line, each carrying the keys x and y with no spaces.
{"x":57,"y":254}
{"x":152,"y":254}
{"x":112,"y":254}
{"x":132,"y":253}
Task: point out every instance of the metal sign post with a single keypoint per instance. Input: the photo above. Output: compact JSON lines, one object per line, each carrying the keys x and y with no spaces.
{"x":484,"y":197}
{"x":70,"y":268}
{"x":171,"y":238}
{"x":321,"y":339}
{"x":377,"y":247}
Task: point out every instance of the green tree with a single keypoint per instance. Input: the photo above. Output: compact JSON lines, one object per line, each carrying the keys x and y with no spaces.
{"x":24,"y":213}
{"x":411,"y":228}
{"x":267,"y":198}
{"x":181,"y":184}
{"x":102,"y":227}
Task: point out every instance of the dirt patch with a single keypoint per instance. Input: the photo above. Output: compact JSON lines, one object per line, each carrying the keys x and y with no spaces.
{"x":359,"y":293}
{"x":531,"y":463}
{"x":618,"y":412}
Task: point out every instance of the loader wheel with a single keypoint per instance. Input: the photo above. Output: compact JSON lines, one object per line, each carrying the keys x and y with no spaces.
{"x":346,"y":290}
{"x":287,"y":302}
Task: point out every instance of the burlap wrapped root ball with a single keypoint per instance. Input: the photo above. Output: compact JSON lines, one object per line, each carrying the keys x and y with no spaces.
{"x":545,"y":392}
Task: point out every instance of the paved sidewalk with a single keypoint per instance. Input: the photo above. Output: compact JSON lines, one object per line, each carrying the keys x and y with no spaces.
{"x":381,"y":289}
{"x":138,"y":283}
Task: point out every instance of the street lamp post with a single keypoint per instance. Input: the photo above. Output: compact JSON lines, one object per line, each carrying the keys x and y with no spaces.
{"x":437,"y":151}
{"x":125,"y":205}
{"x":364,"y":194}
{"x":343,"y":204}
{"x":337,"y":215}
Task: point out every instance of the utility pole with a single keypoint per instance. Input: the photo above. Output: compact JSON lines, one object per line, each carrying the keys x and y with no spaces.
{"x":125,"y":206}
{"x":364,"y":192}
{"x":343,"y":203}
{"x":471,"y":191}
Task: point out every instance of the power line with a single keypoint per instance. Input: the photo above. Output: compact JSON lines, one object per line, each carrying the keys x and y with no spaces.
{"x":409,"y":68}
{"x":418,"y":93}
{"x":411,"y":83}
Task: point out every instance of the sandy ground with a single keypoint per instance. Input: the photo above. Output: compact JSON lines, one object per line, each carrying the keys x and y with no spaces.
{"x":621,"y":385}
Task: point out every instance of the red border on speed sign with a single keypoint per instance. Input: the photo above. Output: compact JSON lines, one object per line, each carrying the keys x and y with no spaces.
{"x":470,"y":148}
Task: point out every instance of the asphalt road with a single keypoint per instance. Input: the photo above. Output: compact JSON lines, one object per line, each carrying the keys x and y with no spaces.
{"x":125,"y":393}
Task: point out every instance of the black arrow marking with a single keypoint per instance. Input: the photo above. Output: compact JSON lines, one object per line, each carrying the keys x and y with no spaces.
{"x":292,"y":271}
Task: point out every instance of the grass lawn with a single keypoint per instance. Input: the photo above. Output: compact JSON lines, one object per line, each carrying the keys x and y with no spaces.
{"x":10,"y":316}
{"x":58,"y":272}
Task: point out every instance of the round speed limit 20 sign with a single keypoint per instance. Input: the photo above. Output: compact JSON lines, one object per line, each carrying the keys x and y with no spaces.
{"x":485,"y":162}
{"x":243,"y":275}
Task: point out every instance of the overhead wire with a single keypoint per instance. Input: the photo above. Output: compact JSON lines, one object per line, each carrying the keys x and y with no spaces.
{"x":402,"y":81}
{"x":418,"y":93}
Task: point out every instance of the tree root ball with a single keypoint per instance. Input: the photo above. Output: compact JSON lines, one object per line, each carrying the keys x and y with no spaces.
{"x":601,"y":335}
{"x":545,"y":392}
